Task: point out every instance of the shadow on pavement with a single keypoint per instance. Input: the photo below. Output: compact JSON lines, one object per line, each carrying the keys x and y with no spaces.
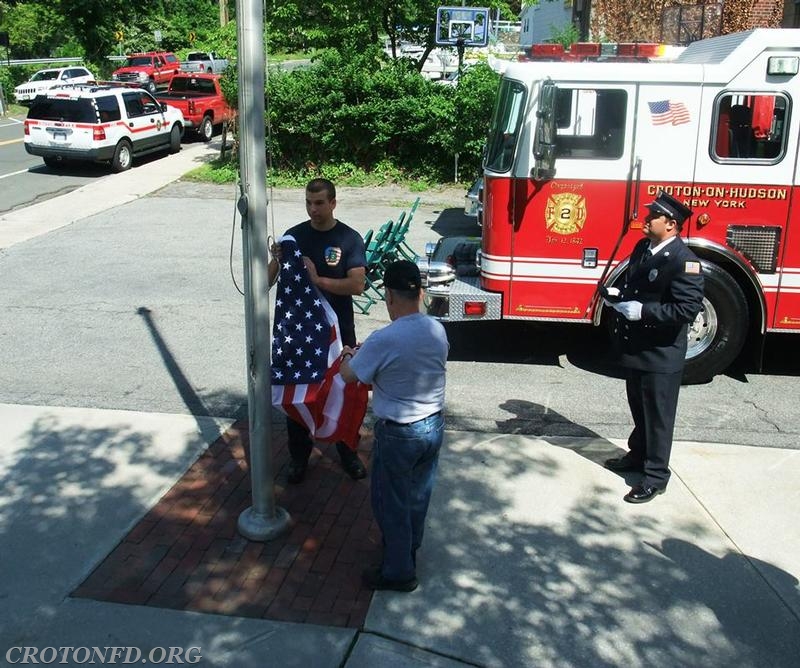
{"x":534,"y":563}
{"x":453,"y":222}
{"x":519,"y":342}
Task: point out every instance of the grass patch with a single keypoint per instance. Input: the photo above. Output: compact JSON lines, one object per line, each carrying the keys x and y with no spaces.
{"x":227,"y":171}
{"x":16,"y":110}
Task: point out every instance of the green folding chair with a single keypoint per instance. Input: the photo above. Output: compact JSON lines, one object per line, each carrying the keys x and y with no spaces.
{"x":364,"y":302}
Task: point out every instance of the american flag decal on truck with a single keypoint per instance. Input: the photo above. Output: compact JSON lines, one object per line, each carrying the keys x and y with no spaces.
{"x":668,"y":112}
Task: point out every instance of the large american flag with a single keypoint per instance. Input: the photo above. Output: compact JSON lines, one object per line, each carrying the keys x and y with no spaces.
{"x":306,"y":349}
{"x":665,"y":112}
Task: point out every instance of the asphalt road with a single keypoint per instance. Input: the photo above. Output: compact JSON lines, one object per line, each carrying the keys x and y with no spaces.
{"x":25,"y":180}
{"x":135,"y":308}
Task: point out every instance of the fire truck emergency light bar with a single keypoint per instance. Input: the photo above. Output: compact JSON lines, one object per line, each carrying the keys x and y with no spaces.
{"x":587,"y":50}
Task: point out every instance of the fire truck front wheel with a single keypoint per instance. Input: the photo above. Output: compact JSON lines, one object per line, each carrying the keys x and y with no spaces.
{"x":718,"y":333}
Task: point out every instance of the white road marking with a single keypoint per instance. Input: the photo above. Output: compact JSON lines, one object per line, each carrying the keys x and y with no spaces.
{"x":5,"y":176}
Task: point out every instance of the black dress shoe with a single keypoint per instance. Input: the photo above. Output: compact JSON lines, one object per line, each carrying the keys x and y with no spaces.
{"x":373,"y":579}
{"x":296,"y":473}
{"x":643,"y":494}
{"x":352,"y":465}
{"x":624,"y":464}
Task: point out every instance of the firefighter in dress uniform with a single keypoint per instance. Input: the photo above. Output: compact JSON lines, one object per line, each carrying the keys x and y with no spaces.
{"x":661,"y":294}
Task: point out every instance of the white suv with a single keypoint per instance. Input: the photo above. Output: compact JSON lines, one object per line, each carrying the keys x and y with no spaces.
{"x":45,"y":79}
{"x":100,"y":123}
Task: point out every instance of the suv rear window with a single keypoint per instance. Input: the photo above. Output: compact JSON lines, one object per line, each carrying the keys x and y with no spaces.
{"x":190,"y":85}
{"x":61,"y":109}
{"x":108,"y":108}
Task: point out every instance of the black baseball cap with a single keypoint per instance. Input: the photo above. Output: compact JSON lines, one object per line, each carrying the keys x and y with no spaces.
{"x":402,"y":275}
{"x":670,"y":207}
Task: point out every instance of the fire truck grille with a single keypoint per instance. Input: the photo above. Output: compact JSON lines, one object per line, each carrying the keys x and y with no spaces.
{"x":757,"y":244}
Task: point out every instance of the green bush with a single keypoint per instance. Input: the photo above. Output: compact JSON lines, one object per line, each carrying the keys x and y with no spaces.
{"x":364,"y":112}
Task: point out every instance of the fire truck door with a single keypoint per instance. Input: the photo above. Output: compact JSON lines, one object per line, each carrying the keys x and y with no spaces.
{"x":566,"y":226}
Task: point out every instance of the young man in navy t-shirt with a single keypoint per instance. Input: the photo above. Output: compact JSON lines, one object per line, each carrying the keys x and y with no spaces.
{"x":336,"y":260}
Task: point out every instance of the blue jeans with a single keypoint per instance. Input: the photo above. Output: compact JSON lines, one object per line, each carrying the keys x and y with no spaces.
{"x":404,"y":462}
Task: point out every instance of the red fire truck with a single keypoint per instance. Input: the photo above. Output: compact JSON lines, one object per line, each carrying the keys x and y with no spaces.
{"x":577,"y":147}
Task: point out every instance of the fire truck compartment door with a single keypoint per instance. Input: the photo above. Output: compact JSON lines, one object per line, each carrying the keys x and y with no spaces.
{"x":565,"y":228}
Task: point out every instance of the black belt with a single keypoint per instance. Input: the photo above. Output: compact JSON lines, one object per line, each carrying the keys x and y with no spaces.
{"x":406,"y":424}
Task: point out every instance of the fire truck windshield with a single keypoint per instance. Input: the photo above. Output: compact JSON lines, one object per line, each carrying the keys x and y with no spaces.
{"x":506,"y":123}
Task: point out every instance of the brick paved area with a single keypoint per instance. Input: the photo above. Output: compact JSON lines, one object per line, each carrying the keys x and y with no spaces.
{"x":186,"y":552}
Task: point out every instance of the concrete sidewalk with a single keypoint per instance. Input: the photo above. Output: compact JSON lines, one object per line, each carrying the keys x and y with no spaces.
{"x":531,"y":558}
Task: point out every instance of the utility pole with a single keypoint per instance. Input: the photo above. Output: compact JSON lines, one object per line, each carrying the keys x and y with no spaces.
{"x":263,"y":520}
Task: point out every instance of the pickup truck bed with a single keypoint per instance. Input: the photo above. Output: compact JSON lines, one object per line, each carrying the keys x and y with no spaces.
{"x":200,"y":61}
{"x":200,"y":99}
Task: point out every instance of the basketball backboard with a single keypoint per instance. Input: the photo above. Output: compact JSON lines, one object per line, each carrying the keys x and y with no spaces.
{"x":462,"y":26}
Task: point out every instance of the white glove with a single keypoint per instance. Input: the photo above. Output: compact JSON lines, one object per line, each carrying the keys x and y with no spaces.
{"x":630,"y":310}
{"x":611,"y":292}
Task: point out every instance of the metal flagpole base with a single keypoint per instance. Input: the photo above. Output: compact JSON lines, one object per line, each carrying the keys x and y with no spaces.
{"x":254,"y":526}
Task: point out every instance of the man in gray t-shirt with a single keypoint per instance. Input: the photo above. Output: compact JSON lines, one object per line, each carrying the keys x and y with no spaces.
{"x":405,"y":363}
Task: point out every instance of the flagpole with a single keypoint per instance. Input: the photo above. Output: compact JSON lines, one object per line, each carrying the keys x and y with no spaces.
{"x":263,"y":520}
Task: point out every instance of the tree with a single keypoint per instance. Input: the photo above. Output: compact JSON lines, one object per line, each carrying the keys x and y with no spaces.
{"x":35,"y":29}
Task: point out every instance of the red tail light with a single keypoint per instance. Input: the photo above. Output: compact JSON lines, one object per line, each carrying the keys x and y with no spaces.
{"x":475,"y":308}
{"x":191,"y":106}
{"x":27,"y":128}
{"x":98,"y":133}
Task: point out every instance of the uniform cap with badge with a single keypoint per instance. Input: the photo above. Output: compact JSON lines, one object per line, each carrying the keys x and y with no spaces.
{"x":670,"y":207}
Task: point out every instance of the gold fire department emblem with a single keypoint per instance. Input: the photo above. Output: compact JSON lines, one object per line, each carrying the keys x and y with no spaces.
{"x":565,"y":213}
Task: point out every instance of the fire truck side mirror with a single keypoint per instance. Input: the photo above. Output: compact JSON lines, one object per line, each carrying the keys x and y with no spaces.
{"x":544,"y":150}
{"x":543,"y":168}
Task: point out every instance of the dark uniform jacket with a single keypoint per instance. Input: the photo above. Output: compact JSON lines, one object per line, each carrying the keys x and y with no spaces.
{"x":670,"y":287}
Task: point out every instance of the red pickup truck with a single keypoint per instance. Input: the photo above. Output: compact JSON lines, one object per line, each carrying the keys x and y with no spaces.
{"x":200,"y":98}
{"x":149,"y":69}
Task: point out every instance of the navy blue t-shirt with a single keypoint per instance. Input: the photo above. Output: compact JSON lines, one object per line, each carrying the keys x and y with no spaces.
{"x":334,"y":253}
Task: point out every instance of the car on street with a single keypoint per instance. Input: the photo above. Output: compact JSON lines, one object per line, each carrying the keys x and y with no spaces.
{"x":150,"y":70}
{"x":200,"y":100}
{"x":43,"y":80}
{"x":204,"y":61}
{"x":100,"y":123}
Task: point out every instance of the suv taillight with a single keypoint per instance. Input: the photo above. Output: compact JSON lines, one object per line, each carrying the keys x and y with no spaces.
{"x":27,"y":128}
{"x":191,"y":106}
{"x":98,"y":134}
